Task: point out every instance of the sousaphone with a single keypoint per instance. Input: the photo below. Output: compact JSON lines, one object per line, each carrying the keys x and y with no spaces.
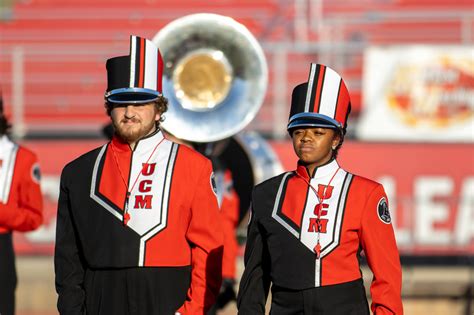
{"x":215,"y":78}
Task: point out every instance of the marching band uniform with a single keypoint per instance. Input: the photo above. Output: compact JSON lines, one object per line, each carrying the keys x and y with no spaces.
{"x":229,"y":208}
{"x":306,"y":230}
{"x":138,"y":231}
{"x":21,"y":207}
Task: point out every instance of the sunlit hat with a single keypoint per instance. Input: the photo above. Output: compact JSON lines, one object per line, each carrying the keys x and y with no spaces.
{"x":323,"y":101}
{"x":137,"y":78}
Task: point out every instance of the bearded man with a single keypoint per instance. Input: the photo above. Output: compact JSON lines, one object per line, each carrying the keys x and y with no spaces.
{"x":138,"y":225}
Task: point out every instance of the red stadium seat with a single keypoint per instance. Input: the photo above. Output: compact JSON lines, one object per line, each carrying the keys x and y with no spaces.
{"x":65,"y":44}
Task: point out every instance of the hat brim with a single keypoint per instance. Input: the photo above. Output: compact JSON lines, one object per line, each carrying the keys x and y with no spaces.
{"x":312,"y":120}
{"x":131,"y":96}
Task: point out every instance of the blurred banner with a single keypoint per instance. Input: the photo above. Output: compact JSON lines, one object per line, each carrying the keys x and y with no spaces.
{"x":430,"y":189}
{"x":418,"y":93}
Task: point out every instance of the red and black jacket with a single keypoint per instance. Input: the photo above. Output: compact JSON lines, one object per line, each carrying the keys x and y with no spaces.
{"x":174,"y":219}
{"x":21,"y":202}
{"x":283,"y":232}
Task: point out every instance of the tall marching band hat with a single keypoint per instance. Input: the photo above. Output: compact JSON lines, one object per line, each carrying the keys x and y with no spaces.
{"x":136,"y":78}
{"x":323,"y":101}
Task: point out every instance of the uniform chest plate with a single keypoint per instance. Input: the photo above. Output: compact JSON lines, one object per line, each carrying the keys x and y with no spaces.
{"x":149,"y":185}
{"x":297,"y":209}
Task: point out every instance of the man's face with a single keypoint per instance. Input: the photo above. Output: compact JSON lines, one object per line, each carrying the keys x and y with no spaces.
{"x":314,"y":145}
{"x":133,"y":122}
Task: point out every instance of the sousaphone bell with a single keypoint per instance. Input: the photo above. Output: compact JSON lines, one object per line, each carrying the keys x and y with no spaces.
{"x":215,"y":78}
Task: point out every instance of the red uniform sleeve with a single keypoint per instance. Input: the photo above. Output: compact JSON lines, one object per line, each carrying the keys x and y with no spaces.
{"x":206,"y":238}
{"x":378,"y":242}
{"x":23,"y":212}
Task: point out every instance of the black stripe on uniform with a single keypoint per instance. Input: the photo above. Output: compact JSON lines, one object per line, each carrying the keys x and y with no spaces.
{"x":337,"y":100}
{"x":137,"y":61}
{"x":313,"y":90}
{"x":322,"y":68}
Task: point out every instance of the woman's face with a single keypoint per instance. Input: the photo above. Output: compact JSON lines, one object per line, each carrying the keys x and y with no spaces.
{"x":314,"y":146}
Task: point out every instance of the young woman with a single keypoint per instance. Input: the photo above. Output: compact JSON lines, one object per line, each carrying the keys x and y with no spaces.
{"x":308,"y":226}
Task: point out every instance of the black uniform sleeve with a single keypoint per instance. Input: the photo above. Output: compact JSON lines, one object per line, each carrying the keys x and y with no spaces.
{"x":255,"y":281}
{"x":68,"y":266}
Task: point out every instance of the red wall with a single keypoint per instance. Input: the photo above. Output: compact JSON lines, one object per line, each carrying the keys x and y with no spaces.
{"x":430,"y":189}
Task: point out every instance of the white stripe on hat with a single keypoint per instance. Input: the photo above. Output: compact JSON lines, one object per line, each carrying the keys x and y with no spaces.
{"x":329,"y":93}
{"x":151,"y":65}
{"x":133,"y":53}
{"x":310,"y":87}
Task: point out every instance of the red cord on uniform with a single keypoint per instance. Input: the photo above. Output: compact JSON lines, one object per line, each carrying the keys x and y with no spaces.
{"x":126,"y":218}
{"x":317,"y":248}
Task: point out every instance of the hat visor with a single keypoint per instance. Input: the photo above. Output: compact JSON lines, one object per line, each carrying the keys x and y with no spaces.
{"x":312,"y":120}
{"x":132,"y":96}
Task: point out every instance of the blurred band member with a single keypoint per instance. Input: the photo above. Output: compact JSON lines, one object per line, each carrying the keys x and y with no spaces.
{"x":309,"y":225}
{"x":21,"y":206}
{"x":138,"y":227}
{"x":229,"y":208}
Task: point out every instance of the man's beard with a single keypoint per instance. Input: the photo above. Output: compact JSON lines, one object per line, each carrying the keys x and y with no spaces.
{"x":132,"y":134}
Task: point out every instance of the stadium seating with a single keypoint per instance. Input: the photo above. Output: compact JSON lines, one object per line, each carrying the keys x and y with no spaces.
{"x":64,"y":45}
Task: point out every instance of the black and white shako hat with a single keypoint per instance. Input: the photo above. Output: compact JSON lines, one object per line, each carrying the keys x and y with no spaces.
{"x":137,"y":78}
{"x":323,"y":101}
